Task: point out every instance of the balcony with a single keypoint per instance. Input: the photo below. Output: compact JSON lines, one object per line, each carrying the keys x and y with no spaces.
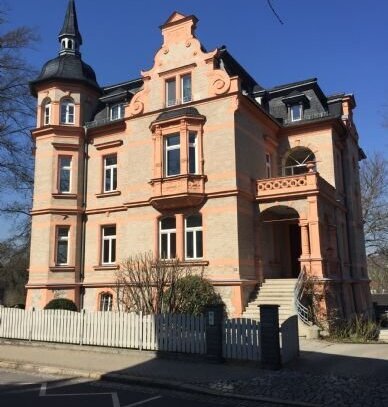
{"x":179,"y":191}
{"x":293,"y":186}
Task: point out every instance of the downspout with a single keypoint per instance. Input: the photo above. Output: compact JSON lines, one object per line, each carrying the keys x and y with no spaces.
{"x":83,"y":225}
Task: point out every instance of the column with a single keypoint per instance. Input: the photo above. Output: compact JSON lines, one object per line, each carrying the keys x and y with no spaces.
{"x":304,"y":233}
{"x":180,"y":230}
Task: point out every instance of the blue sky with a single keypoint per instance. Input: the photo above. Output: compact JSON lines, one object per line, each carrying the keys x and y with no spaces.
{"x":342,"y":43}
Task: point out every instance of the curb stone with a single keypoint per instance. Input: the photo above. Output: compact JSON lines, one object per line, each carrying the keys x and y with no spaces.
{"x":143,"y":381}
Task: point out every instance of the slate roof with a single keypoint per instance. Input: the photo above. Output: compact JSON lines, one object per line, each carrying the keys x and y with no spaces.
{"x":70,"y":24}
{"x":173,"y":114}
{"x":68,"y":67}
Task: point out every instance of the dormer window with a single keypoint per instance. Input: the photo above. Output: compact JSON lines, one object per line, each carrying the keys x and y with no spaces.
{"x":186,"y":88}
{"x":296,"y":112}
{"x":67,"y":111}
{"x":171,"y":92}
{"x":117,"y":111}
{"x":178,"y":90}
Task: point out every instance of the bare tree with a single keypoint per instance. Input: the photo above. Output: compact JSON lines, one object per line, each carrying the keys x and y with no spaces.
{"x":374,"y":199}
{"x":149,"y":285}
{"x":17,"y":111}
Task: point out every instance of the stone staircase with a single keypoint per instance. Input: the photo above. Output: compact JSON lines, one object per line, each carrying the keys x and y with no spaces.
{"x":273,"y":291}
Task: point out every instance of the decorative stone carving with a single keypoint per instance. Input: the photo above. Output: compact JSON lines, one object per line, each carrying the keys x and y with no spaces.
{"x":220,"y":82}
{"x":136,"y":106}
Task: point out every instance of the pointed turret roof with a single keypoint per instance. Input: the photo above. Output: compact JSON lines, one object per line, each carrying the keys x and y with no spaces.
{"x":70,"y":24}
{"x":68,"y":66}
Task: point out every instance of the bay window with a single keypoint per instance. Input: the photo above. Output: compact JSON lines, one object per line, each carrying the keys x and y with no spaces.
{"x":172,"y":155}
{"x":193,"y":154}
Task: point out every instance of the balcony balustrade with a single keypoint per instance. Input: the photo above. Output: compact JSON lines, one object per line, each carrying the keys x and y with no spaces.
{"x":292,"y":186}
{"x":178,"y":191}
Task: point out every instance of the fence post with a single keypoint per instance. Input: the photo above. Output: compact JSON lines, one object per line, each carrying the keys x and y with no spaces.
{"x":31,"y":324}
{"x":82,"y":327}
{"x":270,"y":336}
{"x":214,"y":328}
{"x":140,"y":330}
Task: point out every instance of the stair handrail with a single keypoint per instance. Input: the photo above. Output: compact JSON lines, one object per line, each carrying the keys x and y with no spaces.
{"x":304,"y":314}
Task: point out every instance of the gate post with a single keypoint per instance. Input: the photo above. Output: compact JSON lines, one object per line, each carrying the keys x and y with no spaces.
{"x":214,"y":317}
{"x":270,"y":337}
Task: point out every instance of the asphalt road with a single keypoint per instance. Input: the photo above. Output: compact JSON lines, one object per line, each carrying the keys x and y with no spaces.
{"x":18,"y":389}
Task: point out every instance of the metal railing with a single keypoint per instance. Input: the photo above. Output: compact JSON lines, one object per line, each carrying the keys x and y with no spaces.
{"x":304,"y":313}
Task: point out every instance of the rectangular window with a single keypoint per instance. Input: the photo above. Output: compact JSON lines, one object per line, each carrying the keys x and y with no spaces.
{"x":117,"y":112}
{"x":268,"y":165}
{"x":194,"y":238}
{"x":106,"y":302}
{"x":296,"y":113}
{"x":167,"y":238}
{"x":186,"y":88}
{"x":67,"y":112}
{"x":108,"y":245}
{"x":47,"y":113}
{"x":172,"y":155}
{"x":110,"y":173}
{"x":171,"y":92}
{"x":64,"y":180}
{"x":62,"y":252}
{"x":193,"y":156}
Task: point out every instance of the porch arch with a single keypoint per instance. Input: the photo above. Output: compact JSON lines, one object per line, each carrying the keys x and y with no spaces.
{"x":280,"y":242}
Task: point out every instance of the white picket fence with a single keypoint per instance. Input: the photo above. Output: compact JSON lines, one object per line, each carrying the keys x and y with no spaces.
{"x":241,"y":339}
{"x":170,"y":332}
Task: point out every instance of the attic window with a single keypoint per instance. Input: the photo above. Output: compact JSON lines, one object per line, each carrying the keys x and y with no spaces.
{"x":296,"y":112}
{"x":117,"y":111}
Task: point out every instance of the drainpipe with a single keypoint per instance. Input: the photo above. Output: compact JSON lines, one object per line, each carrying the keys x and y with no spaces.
{"x":83,"y":226}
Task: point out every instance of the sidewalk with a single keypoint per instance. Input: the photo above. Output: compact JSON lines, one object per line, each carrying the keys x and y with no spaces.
{"x":326,"y":373}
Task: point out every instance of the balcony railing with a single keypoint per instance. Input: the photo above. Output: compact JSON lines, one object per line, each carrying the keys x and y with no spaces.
{"x":178,"y":191}
{"x":292,"y":186}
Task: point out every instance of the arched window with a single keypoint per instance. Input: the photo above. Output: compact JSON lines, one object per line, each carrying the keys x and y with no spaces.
{"x":46,"y":110}
{"x":297,"y":160}
{"x":167,"y":238}
{"x":106,"y":302}
{"x":67,"y":111}
{"x":193,"y":238}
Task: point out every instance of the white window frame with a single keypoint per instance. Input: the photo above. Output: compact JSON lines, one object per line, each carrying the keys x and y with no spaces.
{"x":171,"y":102}
{"x":69,"y":105}
{"x":120,"y":111}
{"x":195,"y":147}
{"x":110,"y":239}
{"x":300,"y":112}
{"x":268,"y":165}
{"x":168,"y":148}
{"x":62,"y":239}
{"x":110,"y":169}
{"x":189,"y":98}
{"x":193,"y":230}
{"x":47,"y":113}
{"x":168,"y":233}
{"x":106,"y":307}
{"x":64,"y":168}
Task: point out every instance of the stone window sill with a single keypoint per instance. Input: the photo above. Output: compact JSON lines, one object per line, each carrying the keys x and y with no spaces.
{"x":68,"y":269}
{"x":106,"y":194}
{"x":59,"y":195}
{"x":106,"y":267}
